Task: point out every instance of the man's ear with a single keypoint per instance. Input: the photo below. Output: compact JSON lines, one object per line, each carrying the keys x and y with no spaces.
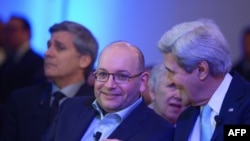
{"x":85,"y":61}
{"x":203,"y":70}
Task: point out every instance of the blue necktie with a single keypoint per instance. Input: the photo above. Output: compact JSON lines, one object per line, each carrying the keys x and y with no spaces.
{"x":206,"y":129}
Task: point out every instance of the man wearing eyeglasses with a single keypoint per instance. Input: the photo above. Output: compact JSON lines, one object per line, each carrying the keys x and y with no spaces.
{"x":118,"y":111}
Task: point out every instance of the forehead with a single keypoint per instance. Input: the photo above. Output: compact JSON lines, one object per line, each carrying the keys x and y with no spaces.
{"x":14,"y":23}
{"x":170,"y":62}
{"x":119,"y":58}
{"x":62,"y":36}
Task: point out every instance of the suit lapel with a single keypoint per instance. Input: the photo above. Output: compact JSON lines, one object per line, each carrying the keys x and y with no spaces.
{"x":86,"y":119}
{"x":131,"y":124}
{"x":230,"y":105}
{"x":186,"y":123}
{"x":83,"y":118}
{"x":39,"y":121}
{"x":42,"y":107}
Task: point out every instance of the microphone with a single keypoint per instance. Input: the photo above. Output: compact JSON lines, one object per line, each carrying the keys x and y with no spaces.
{"x":97,"y":136}
{"x":217,"y":119}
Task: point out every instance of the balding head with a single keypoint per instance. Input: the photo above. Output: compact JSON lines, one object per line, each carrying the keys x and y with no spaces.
{"x":127,"y":50}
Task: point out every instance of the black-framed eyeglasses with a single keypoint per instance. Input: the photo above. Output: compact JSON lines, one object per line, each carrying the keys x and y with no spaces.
{"x":119,"y":78}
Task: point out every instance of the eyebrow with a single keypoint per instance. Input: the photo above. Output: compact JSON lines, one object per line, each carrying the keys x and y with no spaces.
{"x":119,"y":71}
{"x":59,"y":43}
{"x":56,"y":42}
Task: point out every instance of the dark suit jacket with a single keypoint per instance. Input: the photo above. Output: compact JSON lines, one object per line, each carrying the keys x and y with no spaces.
{"x":15,"y":75}
{"x":76,"y":115}
{"x":27,"y":113}
{"x":242,"y":67}
{"x":235,"y":110}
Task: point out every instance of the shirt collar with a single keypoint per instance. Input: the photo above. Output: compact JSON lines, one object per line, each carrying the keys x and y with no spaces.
{"x":216,"y":100}
{"x":122,"y":113}
{"x":70,"y":90}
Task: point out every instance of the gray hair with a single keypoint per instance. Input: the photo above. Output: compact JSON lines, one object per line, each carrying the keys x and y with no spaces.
{"x":196,"y":41}
{"x":157,"y":74}
{"x":83,"y":40}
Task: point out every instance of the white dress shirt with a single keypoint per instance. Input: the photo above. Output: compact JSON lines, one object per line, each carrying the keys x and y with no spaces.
{"x":215,"y":102}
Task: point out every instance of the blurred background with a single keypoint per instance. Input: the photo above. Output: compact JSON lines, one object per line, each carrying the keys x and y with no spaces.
{"x":141,"y":22}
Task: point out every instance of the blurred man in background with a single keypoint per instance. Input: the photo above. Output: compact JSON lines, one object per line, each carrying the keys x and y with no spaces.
{"x":243,"y":66}
{"x":3,"y":53}
{"x":23,"y":66}
{"x":69,"y":59}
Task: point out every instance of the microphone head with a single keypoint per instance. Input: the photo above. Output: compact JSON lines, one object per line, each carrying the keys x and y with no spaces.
{"x":97,"y":135}
{"x":217,"y":119}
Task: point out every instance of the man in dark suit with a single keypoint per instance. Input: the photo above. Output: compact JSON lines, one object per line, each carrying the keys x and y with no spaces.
{"x":72,"y":51}
{"x":198,"y":60}
{"x":23,"y":66}
{"x":243,"y":65}
{"x":118,"y":111}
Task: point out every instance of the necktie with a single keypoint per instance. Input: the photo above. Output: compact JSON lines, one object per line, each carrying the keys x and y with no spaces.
{"x":206,"y":129}
{"x":55,"y":105}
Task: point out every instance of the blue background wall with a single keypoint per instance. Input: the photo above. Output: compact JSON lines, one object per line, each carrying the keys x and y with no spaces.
{"x":141,"y":22}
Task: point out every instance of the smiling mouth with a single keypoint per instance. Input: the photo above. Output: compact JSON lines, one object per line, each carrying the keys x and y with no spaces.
{"x":110,"y":94}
